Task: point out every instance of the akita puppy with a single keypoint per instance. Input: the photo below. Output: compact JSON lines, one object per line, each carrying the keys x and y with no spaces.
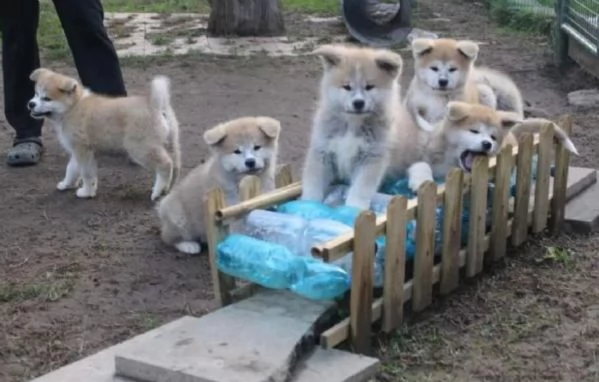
{"x":354,"y":127}
{"x":145,"y":127}
{"x":444,"y":71}
{"x":468,"y":130}
{"x":240,"y":147}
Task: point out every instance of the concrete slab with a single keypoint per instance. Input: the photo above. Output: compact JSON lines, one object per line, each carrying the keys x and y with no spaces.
{"x":255,"y":340}
{"x":579,"y":179}
{"x":582,"y":212}
{"x":332,"y":365}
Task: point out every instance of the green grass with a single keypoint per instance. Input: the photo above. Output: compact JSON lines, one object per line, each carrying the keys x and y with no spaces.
{"x":53,"y":44}
{"x":50,"y":292}
{"x":521,"y":17}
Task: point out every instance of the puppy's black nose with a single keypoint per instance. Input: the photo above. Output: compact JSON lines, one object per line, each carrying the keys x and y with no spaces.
{"x":31,"y":105}
{"x":250,"y":163}
{"x":443,"y":83}
{"x":487,"y":145}
{"x":359,"y":104}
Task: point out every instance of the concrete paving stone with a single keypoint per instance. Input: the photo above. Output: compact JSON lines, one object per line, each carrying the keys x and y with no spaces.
{"x":332,"y":365}
{"x":582,"y":212}
{"x":258,"y":339}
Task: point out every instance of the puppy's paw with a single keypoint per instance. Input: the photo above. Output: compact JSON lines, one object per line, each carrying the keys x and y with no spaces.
{"x":415,"y":183}
{"x":85,"y":192}
{"x":64,"y":185}
{"x":189,"y":247}
{"x":419,"y":173}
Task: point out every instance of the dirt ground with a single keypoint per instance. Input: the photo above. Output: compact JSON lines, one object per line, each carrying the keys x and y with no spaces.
{"x":77,"y":276}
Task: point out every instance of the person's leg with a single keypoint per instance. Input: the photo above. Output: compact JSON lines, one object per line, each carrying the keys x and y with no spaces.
{"x":93,"y":52}
{"x":19,"y":58}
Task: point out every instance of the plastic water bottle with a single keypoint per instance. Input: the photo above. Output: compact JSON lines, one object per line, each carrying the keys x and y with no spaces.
{"x":268,"y":264}
{"x":306,"y":209}
{"x":322,"y":281}
{"x":346,"y":263}
{"x":275,"y":227}
{"x":319,"y":231}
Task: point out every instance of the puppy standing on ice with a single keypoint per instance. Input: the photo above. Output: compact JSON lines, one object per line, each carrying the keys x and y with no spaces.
{"x":353,"y":131}
{"x":244,"y":146}
{"x":144,"y":127}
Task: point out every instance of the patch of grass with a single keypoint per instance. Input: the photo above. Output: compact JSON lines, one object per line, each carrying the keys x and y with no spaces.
{"x":51,"y":39}
{"x":557,"y":255}
{"x":521,"y":17}
{"x":322,"y":7}
{"x":158,"y":6}
{"x":46,"y":292}
{"x":149,"y":321}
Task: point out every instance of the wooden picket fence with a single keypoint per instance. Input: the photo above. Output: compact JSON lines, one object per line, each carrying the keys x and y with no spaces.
{"x":537,"y":206}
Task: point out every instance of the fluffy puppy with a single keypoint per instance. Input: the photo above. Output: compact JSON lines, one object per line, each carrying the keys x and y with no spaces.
{"x":469,"y":130}
{"x":353,"y":129}
{"x":240,"y":147}
{"x":444,"y":71}
{"x":145,"y":127}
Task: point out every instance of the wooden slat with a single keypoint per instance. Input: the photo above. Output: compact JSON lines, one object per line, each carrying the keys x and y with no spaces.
{"x":522,"y":199}
{"x":425,"y":246}
{"x":362,"y":283}
{"x":452,"y":231}
{"x":284,"y":176}
{"x":223,"y":284}
{"x":560,"y":179}
{"x":395,"y":263}
{"x":265,"y":200}
{"x":501,"y":195}
{"x":539,"y":221}
{"x":478,"y":214}
{"x":249,"y":187}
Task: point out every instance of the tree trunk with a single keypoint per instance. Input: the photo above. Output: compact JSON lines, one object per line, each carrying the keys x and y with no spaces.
{"x":246,"y":18}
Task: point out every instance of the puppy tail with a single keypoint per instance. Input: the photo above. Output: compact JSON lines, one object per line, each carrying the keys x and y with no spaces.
{"x":160,"y":99}
{"x":533,"y":125}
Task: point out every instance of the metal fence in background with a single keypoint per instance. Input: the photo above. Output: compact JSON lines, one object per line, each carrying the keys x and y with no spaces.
{"x":579,"y":19}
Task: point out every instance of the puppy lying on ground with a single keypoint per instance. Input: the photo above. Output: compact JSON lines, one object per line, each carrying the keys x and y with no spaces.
{"x":244,"y":146}
{"x":353,"y":131}
{"x":469,"y":130}
{"x":145,"y":127}
{"x":444,"y":71}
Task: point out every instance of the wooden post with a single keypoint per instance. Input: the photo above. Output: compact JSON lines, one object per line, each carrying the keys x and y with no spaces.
{"x":425,"y":246}
{"x":523,"y":173}
{"x":478,"y":216}
{"x":560,"y":179}
{"x":501,"y":196}
{"x":223,"y":284}
{"x":362,"y":282}
{"x":395,"y":263}
{"x":541,"y":211}
{"x":452,"y":231}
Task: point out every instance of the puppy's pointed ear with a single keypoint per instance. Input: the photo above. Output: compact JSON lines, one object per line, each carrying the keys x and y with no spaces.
{"x":38,"y":73}
{"x":330,"y":55}
{"x":468,"y":49}
{"x":422,"y":46}
{"x":508,"y":119}
{"x":68,"y":86}
{"x":215,"y":135}
{"x":390,"y":63}
{"x":269,"y":126}
{"x":457,"y":111}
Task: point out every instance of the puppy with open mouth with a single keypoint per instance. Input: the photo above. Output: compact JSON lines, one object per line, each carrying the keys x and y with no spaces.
{"x":144,"y":127}
{"x":240,"y":147}
{"x":469,"y":130}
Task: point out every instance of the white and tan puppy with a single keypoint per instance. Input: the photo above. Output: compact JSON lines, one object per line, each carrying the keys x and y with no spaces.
{"x":469,"y":130}
{"x":145,"y":127}
{"x":244,"y":146}
{"x":353,"y":130}
{"x":444,"y":71}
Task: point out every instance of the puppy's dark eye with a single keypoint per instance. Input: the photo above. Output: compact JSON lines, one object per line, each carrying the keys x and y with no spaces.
{"x":257,"y":147}
{"x":347,"y":87}
{"x":493,"y":137}
{"x":369,"y":87}
{"x":451,"y":70}
{"x":46,"y":99}
{"x":237,"y":151}
{"x":474,"y":131}
{"x":434,"y":69}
